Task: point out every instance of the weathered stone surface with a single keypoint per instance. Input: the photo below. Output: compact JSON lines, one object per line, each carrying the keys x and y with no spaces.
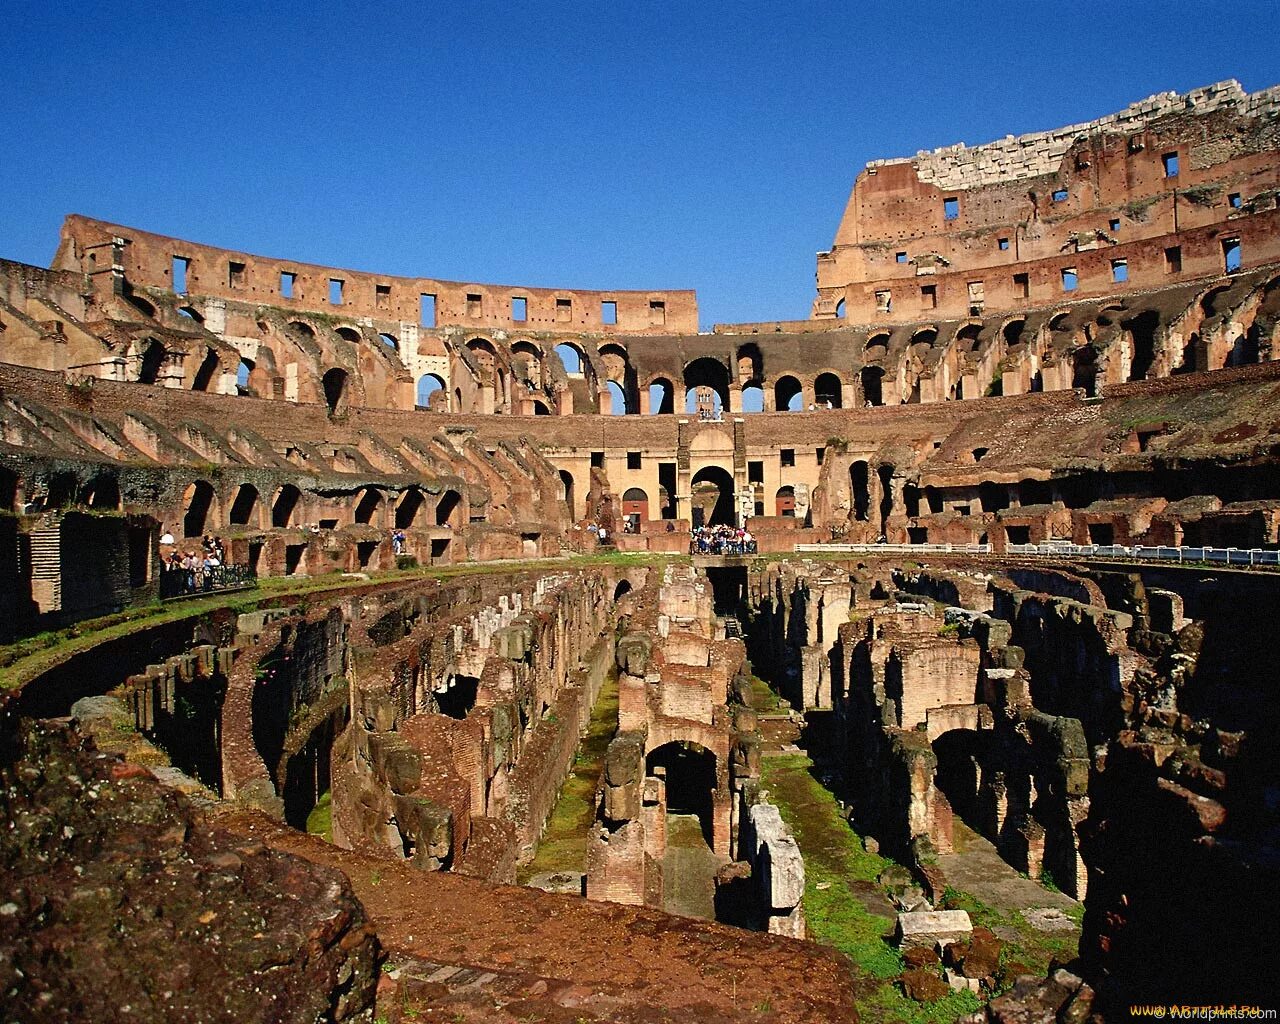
{"x":633,"y":653}
{"x":933,"y":926}
{"x":777,"y":862}
{"x":128,"y":906}
{"x":924,"y":986}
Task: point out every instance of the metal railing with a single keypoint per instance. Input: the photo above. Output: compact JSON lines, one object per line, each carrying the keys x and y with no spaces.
{"x":179,"y":582}
{"x":1140,"y":552}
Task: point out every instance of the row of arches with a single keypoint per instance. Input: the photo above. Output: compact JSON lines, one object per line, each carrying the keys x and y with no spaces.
{"x":370,"y":507}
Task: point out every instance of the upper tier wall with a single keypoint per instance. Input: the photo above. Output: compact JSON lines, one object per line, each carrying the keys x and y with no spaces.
{"x":145,"y":259}
{"x":1149,"y":196}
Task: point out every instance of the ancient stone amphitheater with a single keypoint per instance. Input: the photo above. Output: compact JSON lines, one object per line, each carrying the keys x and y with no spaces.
{"x":967,"y":709}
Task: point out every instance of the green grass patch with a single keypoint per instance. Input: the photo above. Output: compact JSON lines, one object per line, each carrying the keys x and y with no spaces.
{"x":320,"y":820}
{"x":836,"y":866}
{"x":563,"y":846}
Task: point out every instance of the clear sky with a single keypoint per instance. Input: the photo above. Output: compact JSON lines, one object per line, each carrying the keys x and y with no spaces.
{"x":603,"y":145}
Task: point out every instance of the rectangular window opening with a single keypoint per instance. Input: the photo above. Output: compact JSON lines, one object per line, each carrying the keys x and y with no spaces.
{"x":475,"y":304}
{"x":1070,"y":279}
{"x":822,"y":456}
{"x":180,"y":266}
{"x":928,"y":297}
{"x":564,"y":311}
{"x":657,"y":312}
{"x":1003,"y":243}
{"x":950,"y":208}
{"x":336,"y":286}
{"x":426,"y":310}
{"x":235,"y":274}
{"x":1113,"y":224}
{"x":1234,"y":201}
{"x":1231,"y":254}
{"x":1170,"y":162}
{"x":787,"y":456}
{"x":1119,"y":271}
{"x":900,"y":257}
{"x":287,"y":281}
{"x":1173,"y":259}
{"x":381,"y":296}
{"x":519,"y":308}
{"x":597,"y":460}
{"x":755,"y":472}
{"x":1060,"y":195}
{"x":634,"y":460}
{"x":609,"y":311}
{"x":884,"y":302}
{"x":1022,"y":285}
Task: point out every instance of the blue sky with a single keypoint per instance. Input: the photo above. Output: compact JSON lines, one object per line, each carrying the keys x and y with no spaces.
{"x":602,"y":145}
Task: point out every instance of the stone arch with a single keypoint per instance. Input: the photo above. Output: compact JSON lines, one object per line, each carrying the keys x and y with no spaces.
{"x":616,"y":363}
{"x":566,"y":493}
{"x":191,"y":313}
{"x":788,"y":394}
{"x":719,"y":510}
{"x":334,"y":385}
{"x":750,"y":364}
{"x":785,"y":501}
{"x":143,"y":306}
{"x":153,"y":358}
{"x":710,"y":373}
{"x":967,"y":338}
{"x":572,"y":358}
{"x":635,"y":502}
{"x":428,"y":385}
{"x":390,"y":340}
{"x":877,"y":347}
{"x":1141,"y":330}
{"x":348,"y":334}
{"x":204,"y":375}
{"x":282,"y":509}
{"x":860,"y":490}
{"x":828,"y":390}
{"x":617,"y":399}
{"x":408,"y":507}
{"x":621,"y":590}
{"x":872,"y":380}
{"x":244,"y":373}
{"x":664,"y":400}
{"x":244,"y":507}
{"x":103,"y":491}
{"x":368,"y":506}
{"x":200,"y":504}
{"x":692,"y":779}
{"x":449,"y":509}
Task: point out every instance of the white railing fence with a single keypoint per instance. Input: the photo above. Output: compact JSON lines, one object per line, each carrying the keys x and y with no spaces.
{"x":1059,"y":549}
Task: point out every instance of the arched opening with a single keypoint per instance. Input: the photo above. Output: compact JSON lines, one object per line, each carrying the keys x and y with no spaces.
{"x":617,"y":399}
{"x":621,"y":590}
{"x":785,"y":501}
{"x":368,"y":505}
{"x":458,"y":697}
{"x":886,"y":497}
{"x":142,"y":305}
{"x":967,"y":338}
{"x":334,"y":383}
{"x":872,"y":378}
{"x":348,"y":334}
{"x":661,"y":396}
{"x":198,"y":501}
{"x":960,"y":756}
{"x":992,"y":497}
{"x":1084,"y":370}
{"x":244,"y":506}
{"x":753,"y":398}
{"x":704,"y":402}
{"x":243,"y":373}
{"x":190,"y":314}
{"x":635,"y":509}
{"x":876,"y":348}
{"x":62,"y":490}
{"x":283,"y":507}
{"x":407,"y":509}
{"x":447,"y":508}
{"x":708,"y":373}
{"x":204,"y":375}
{"x":689,"y":771}
{"x":860,"y":490}
{"x":299,"y":332}
{"x":1013,"y":332}
{"x":566,"y":491}
{"x":840,"y":310}
{"x":101,"y":492}
{"x":457,"y":400}
{"x":571,"y":358}
{"x":390,"y":340}
{"x":152,"y":359}
{"x":1142,"y":329}
{"x":788,"y":396}
{"x":712,"y":498}
{"x":540,"y":408}
{"x":828,"y":391}
{"x":1243,"y":349}
{"x":428,"y":385}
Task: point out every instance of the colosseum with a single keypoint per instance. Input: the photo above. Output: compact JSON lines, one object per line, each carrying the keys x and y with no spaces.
{"x":400,"y":649}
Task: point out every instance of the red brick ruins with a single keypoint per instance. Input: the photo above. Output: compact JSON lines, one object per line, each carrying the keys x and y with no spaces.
{"x":1067,"y":336}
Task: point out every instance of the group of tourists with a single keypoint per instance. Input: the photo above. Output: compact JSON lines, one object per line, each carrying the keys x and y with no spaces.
{"x":192,"y":571}
{"x":721,"y":540}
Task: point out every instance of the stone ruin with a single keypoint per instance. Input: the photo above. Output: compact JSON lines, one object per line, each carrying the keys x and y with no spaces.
{"x":1065,"y":337}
